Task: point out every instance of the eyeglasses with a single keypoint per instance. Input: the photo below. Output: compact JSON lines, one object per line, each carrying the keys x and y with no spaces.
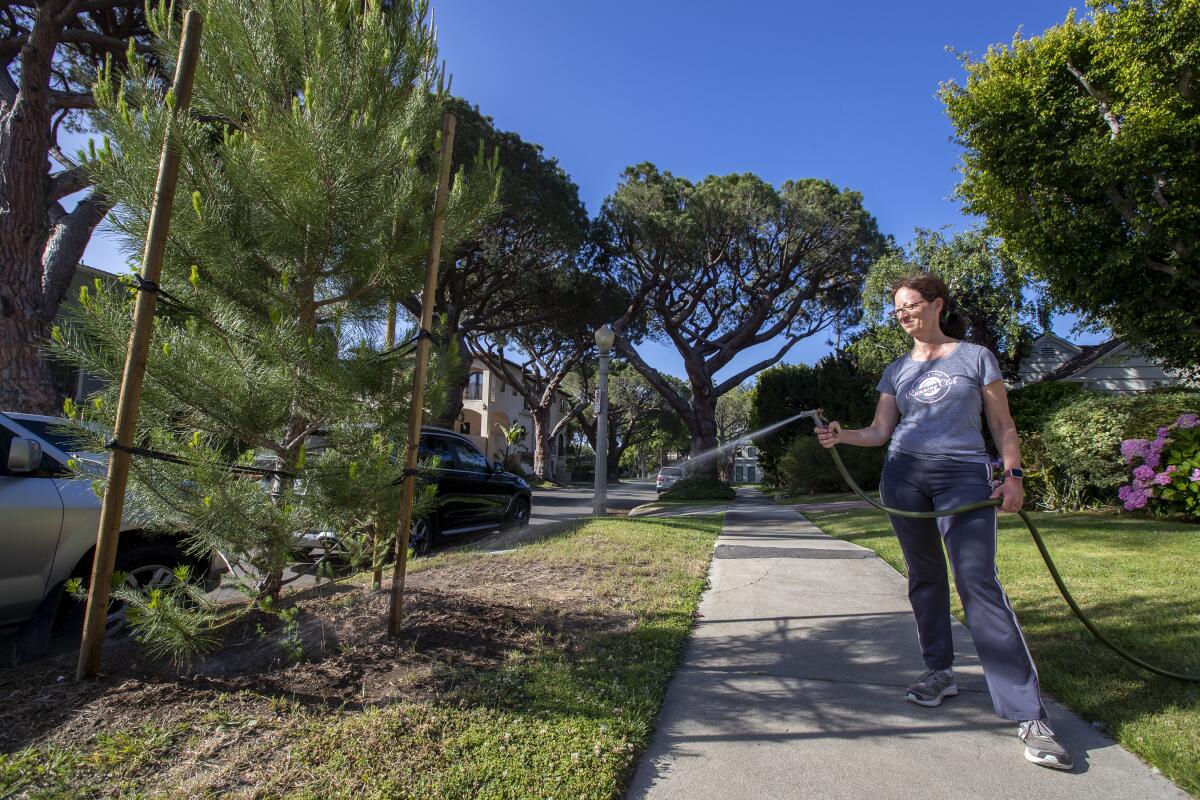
{"x":908,"y":308}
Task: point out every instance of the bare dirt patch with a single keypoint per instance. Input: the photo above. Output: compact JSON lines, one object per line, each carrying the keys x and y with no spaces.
{"x":467,"y":615}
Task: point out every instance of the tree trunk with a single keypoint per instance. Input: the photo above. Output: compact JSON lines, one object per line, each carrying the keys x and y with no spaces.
{"x":612,"y":464}
{"x":40,"y":244}
{"x":541,"y":443}
{"x":703,"y":428}
{"x":25,"y":382}
{"x":456,"y":382}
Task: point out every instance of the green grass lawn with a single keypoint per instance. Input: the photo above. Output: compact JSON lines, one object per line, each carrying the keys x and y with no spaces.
{"x":566,"y":717}
{"x":1138,"y":579}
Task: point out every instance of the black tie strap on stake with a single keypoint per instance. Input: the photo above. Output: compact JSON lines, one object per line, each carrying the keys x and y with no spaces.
{"x":405,"y":474}
{"x":158,"y":455}
{"x":143,"y":285}
{"x":818,"y":416}
{"x":406,"y":347}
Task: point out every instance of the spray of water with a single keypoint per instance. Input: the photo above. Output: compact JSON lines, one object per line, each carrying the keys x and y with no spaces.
{"x":701,"y":457}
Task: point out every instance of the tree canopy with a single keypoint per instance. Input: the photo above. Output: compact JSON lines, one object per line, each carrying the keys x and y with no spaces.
{"x":518,"y":269}
{"x":726,"y":264}
{"x":1080,"y":150}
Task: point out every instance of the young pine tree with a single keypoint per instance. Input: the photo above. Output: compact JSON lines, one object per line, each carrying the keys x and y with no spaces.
{"x":308,"y":165}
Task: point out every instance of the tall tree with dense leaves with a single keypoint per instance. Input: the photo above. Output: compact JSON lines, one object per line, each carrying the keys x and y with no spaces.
{"x":517,"y":270}
{"x":1080,"y":148}
{"x":999,"y":298}
{"x":720,"y":266}
{"x":50,"y":54}
{"x":307,"y":172}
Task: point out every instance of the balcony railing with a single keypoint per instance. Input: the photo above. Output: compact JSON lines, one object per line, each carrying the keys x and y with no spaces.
{"x":473,"y":393}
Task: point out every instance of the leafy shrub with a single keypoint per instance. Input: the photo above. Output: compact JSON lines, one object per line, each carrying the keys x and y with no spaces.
{"x":1034,"y":404}
{"x":1176,"y":488}
{"x":699,"y":487}
{"x":835,"y":383}
{"x":1080,"y":443}
{"x":807,"y":469}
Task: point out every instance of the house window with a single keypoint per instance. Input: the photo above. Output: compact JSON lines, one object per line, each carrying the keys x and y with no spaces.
{"x":464,"y":427}
{"x":562,"y":447}
{"x":474,"y":390}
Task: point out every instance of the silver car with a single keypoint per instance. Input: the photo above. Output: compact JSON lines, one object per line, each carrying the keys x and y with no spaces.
{"x":48,"y":521}
{"x":666,"y":478}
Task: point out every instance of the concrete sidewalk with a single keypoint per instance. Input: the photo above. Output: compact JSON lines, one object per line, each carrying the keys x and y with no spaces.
{"x":793,"y":686}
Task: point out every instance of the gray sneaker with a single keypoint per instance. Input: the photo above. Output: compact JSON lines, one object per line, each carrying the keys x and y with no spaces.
{"x":931,"y":688}
{"x":1041,"y":747}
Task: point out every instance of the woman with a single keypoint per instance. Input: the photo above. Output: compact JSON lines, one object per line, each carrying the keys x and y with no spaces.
{"x":929,"y":407}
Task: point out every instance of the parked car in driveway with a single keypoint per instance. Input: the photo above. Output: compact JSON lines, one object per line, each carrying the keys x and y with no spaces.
{"x":666,"y":478}
{"x":48,"y":521}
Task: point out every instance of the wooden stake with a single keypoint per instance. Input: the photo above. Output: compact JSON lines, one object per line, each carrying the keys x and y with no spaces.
{"x":107,"y":535}
{"x":418,"y":394}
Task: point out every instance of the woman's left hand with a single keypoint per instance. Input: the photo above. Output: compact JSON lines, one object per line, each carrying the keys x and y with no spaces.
{"x":1012,"y":495}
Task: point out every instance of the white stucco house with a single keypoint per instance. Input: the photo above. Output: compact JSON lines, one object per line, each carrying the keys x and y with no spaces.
{"x":745,"y":465}
{"x":489,"y":402}
{"x":1113,"y":366}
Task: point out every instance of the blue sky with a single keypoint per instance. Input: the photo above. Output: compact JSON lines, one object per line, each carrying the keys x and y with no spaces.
{"x":844,"y":91}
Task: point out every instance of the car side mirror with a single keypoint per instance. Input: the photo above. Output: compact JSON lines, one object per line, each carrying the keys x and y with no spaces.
{"x":24,"y":455}
{"x":497,"y":467}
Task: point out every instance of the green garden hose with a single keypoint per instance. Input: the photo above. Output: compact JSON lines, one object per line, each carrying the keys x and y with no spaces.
{"x":817,"y":417}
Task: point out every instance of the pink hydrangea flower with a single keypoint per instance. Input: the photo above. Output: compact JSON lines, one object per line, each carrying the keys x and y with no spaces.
{"x":1163,"y":478}
{"x":1133,"y":448}
{"x":1164,"y":432}
{"x":1195,"y":477}
{"x":1153,"y":456}
{"x":1144,"y":473}
{"x":1188,"y":421}
{"x":1136,"y":498}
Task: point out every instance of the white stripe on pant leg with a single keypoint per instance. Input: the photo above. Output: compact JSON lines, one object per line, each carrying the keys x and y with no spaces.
{"x":1004,"y":596}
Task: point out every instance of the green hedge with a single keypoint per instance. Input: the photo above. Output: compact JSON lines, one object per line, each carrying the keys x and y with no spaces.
{"x":1033,"y":405}
{"x":1075,"y":457}
{"x":807,"y":468}
{"x":699,"y":487}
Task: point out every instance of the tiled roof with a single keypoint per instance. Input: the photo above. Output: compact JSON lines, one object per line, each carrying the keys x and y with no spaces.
{"x":1090,"y":354}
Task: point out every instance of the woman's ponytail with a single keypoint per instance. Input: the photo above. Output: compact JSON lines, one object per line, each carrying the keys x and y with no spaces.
{"x":954,"y":324}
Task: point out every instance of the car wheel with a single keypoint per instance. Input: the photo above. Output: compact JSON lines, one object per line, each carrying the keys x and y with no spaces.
{"x":421,"y":536}
{"x":146,"y":567}
{"x":518,"y":515}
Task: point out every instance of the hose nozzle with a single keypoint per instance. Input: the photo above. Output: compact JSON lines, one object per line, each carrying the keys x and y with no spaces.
{"x":817,"y":415}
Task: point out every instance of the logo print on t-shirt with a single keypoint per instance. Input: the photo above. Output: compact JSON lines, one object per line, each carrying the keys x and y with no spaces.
{"x":932,"y":386}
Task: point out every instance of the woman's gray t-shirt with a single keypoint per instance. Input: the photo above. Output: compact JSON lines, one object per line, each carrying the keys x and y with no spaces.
{"x":940,"y":402}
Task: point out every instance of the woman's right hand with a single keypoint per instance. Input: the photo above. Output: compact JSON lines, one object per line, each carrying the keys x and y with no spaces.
{"x":830,"y":435}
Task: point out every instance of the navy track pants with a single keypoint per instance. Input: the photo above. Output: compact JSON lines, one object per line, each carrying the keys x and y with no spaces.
{"x":921,"y":484}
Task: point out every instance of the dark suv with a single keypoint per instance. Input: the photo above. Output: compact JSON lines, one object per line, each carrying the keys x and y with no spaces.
{"x":472,"y":494}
